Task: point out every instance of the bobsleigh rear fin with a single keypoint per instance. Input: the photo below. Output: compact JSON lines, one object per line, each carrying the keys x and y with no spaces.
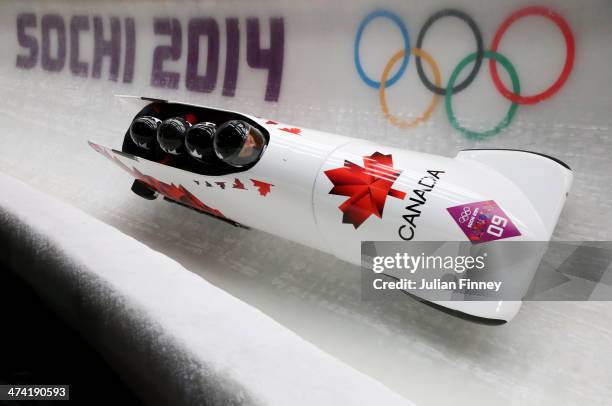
{"x":544,"y":180}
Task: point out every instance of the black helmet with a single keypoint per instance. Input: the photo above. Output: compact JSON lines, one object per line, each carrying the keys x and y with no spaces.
{"x":171,"y":135}
{"x":199,"y":142}
{"x":238,"y":143}
{"x":143,"y":131}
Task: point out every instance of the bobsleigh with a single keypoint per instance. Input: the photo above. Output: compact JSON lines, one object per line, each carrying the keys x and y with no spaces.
{"x":332,"y":192}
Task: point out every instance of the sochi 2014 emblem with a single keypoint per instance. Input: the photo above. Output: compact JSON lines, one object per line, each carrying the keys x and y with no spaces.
{"x":483,"y":221}
{"x":367,"y":187}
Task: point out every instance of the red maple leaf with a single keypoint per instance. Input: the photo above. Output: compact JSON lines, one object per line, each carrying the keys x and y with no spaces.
{"x":177,"y":193}
{"x":367,"y":187}
{"x":271,"y":122}
{"x":263,"y":187}
{"x":171,"y":191}
{"x":238,"y":185}
{"x":292,"y":130}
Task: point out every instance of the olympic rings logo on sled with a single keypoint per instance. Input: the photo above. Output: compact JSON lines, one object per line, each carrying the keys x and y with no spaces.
{"x":477,"y":57}
{"x":465,"y":214}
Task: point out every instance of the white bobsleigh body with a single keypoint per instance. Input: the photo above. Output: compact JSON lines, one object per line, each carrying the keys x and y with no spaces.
{"x":331,"y":192}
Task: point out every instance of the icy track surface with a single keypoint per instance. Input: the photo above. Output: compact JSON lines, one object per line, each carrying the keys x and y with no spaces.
{"x":174,"y":337}
{"x":550,"y":354}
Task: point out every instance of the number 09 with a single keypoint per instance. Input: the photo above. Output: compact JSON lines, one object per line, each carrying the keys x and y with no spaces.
{"x":496,"y":228}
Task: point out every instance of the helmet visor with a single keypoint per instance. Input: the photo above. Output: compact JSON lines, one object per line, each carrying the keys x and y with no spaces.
{"x":238,"y":143}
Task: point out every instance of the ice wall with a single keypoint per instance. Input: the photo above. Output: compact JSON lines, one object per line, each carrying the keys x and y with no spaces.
{"x":175,"y":338}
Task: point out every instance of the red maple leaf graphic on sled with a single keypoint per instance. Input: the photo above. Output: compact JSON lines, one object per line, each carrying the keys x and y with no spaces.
{"x":171,"y":191}
{"x":367,"y":187}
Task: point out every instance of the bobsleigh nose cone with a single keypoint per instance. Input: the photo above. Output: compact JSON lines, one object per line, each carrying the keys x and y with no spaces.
{"x":171,"y":135}
{"x":143,"y":131}
{"x":199,"y":142}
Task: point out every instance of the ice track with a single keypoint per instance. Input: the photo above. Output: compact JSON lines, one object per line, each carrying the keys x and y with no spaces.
{"x":551,"y":353}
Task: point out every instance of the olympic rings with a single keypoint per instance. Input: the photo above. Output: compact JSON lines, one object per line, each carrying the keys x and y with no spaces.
{"x":419,"y":53}
{"x":516,"y":88}
{"x":476,"y":58}
{"x":449,"y":12}
{"x":569,"y":54}
{"x":393,"y":17}
{"x":465,"y":214}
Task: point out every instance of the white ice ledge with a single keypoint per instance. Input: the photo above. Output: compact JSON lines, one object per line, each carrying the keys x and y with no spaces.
{"x":172,"y":336}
